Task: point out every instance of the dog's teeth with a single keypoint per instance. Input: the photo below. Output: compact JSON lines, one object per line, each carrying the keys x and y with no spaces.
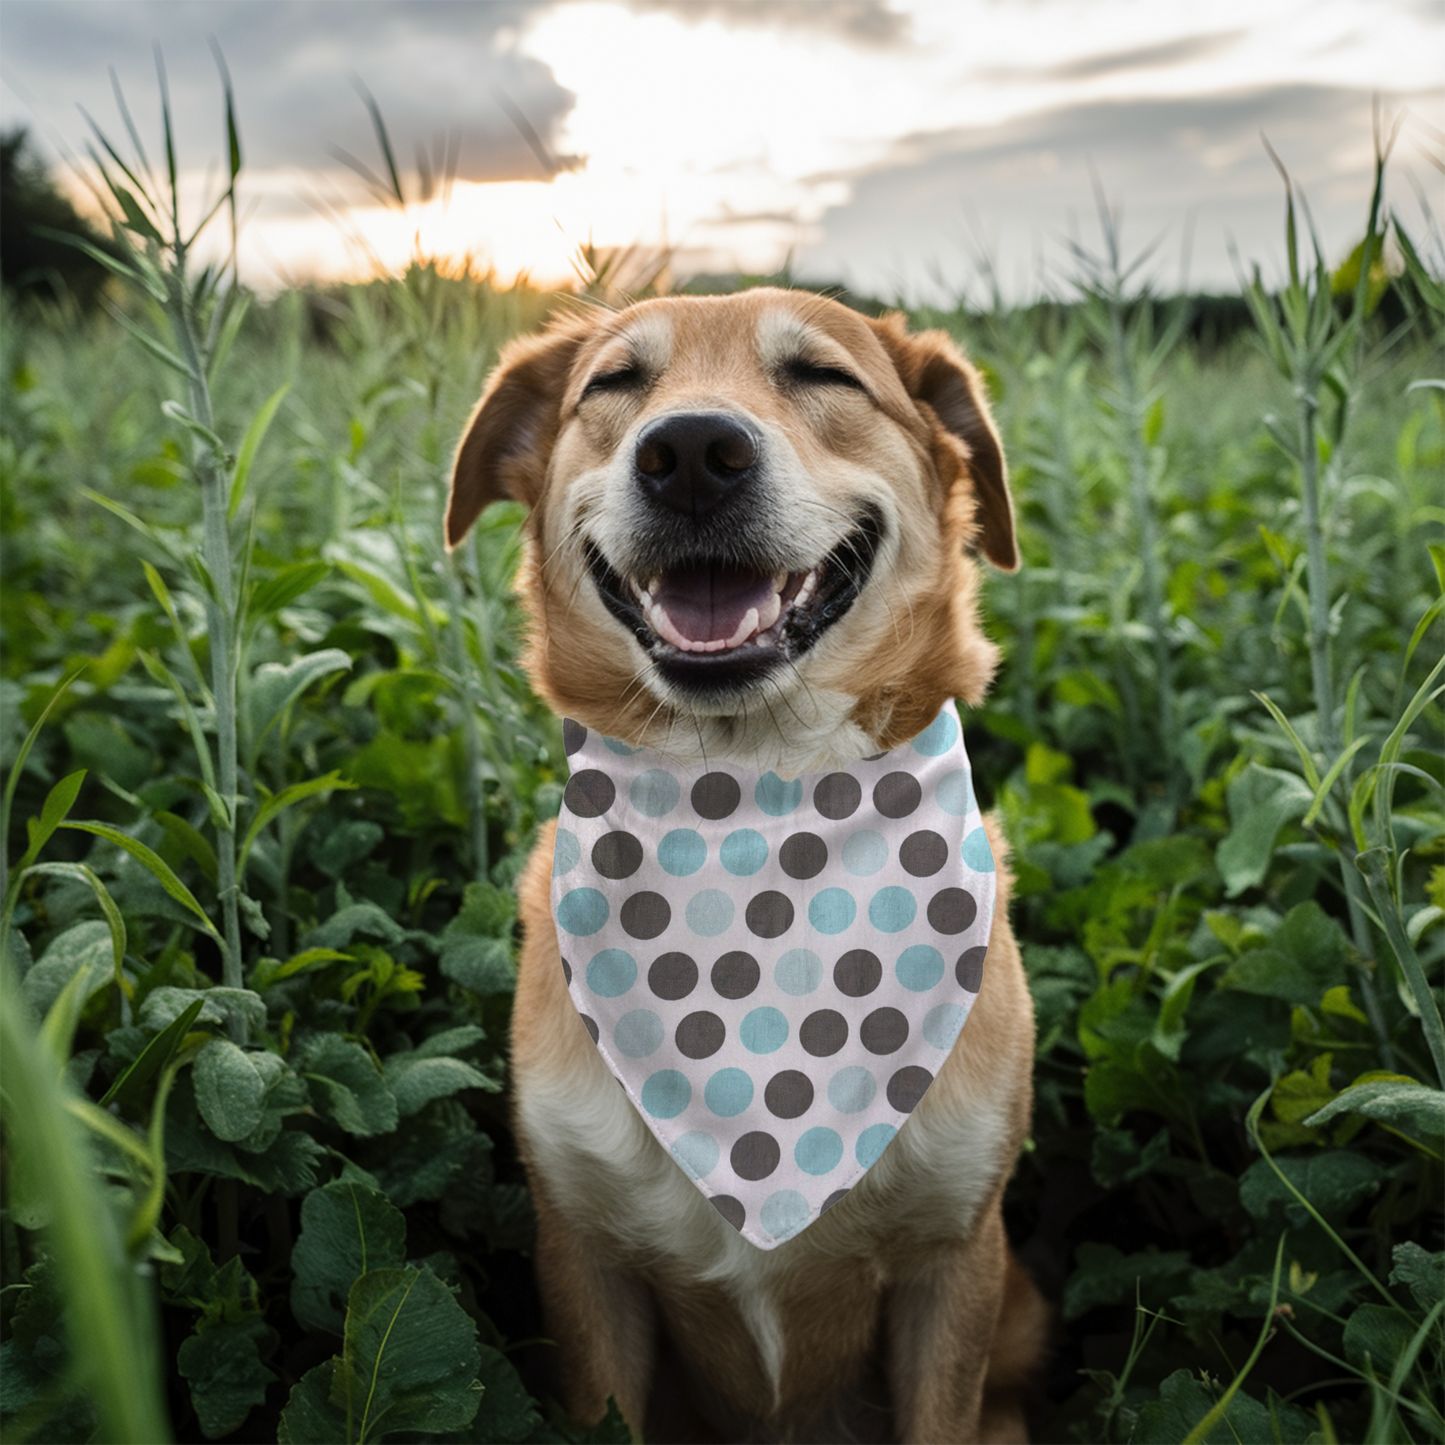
{"x":772,"y":610}
{"x":745,"y":628}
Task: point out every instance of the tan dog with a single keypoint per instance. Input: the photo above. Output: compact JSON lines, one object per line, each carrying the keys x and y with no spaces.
{"x":809,"y":484}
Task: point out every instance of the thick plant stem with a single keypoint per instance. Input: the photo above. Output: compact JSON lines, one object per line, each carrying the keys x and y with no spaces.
{"x":220,"y":618}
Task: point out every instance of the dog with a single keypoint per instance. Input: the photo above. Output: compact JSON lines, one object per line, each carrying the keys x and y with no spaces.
{"x":751,"y":541}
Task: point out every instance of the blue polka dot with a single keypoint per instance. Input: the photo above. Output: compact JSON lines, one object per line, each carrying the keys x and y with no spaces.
{"x":697,"y":1153}
{"x":566,"y":853}
{"x":783,"y":1214}
{"x":850,"y":1091}
{"x":582,"y":911}
{"x":620,"y":748}
{"x":728,"y":1093}
{"x":954,"y":793}
{"x":611,"y":973}
{"x":832,"y":910}
{"x":682,"y":852}
{"x":872,"y":1142}
{"x":709,"y":912}
{"x":763,"y":1031}
{"x":743,"y":852}
{"x":819,"y":1151}
{"x":919,"y":968}
{"x":666,"y":1094}
{"x":942,"y":1024}
{"x":892,"y":910}
{"x":978,"y":852}
{"x":775,"y":797}
{"x":938,"y":736}
{"x":638,"y":1033}
{"x":654,"y":793}
{"x":799,"y":971}
{"x":865,"y":853}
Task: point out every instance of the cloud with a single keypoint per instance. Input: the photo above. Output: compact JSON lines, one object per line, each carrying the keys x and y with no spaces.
{"x":869,"y":23}
{"x":1163,"y":56}
{"x":435,"y":69}
{"x":1171,"y":165}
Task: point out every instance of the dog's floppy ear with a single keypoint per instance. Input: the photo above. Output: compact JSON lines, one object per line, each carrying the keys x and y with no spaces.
{"x":504,"y":450}
{"x":937,"y":375}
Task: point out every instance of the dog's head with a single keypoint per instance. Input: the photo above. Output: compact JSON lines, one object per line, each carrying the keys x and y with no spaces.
{"x":751,"y":523}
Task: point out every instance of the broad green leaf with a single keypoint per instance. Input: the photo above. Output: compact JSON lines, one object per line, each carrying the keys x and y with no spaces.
{"x":410,"y":1359}
{"x":165,"y":1004}
{"x":1305,"y":957}
{"x":386,"y":596}
{"x":272,"y":970}
{"x":155,"y":863}
{"x":114,"y":921}
{"x":277,"y":803}
{"x":309,"y":1417}
{"x":286,"y":586}
{"x":347,"y":1086}
{"x":229,"y":1089}
{"x":153,"y":1058}
{"x":224,"y":1369}
{"x":1422,"y":1272}
{"x":508,"y":1414}
{"x":1394,"y":1099}
{"x":1184,"y":1400}
{"x":250,"y":444}
{"x":1334,"y":1181}
{"x":346,"y":1231}
{"x":415,"y":1082}
{"x":1261,"y":801}
{"x":82,"y":950}
{"x":1376,"y":1336}
{"x":1104,"y":1275}
{"x":274,"y":686}
{"x":483,"y":965}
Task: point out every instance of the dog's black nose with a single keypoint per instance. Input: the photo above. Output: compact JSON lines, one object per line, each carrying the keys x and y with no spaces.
{"x":692,"y":460}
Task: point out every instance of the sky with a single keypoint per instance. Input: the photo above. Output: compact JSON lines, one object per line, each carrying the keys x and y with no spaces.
{"x":916,"y":150}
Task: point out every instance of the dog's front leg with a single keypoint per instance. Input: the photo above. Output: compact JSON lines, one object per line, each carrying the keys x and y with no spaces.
{"x":602,"y":1320}
{"x":941,"y":1319}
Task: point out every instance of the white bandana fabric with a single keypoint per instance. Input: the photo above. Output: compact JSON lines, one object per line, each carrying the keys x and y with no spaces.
{"x":775,"y":971}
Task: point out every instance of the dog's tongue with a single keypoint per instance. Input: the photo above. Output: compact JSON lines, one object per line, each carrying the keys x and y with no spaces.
{"x":709,"y":604}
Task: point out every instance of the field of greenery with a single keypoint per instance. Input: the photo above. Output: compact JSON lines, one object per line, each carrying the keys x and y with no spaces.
{"x":270,"y":770}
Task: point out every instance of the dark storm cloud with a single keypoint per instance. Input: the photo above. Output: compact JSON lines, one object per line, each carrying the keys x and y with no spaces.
{"x":434,"y":67}
{"x":1120,"y":62}
{"x":1017,"y":189}
{"x":861,"y":22}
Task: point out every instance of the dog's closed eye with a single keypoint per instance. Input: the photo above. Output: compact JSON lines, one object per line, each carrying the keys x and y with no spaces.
{"x":805,"y":372}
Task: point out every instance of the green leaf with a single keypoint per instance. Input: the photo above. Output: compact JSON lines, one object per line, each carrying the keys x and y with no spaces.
{"x":191,"y":841}
{"x":483,"y":965}
{"x":1184,"y":1401}
{"x":165,"y":1004}
{"x":274,"y":686}
{"x":229,"y":1089}
{"x":152,"y":1059}
{"x":1104,"y":1275}
{"x":250,"y":444}
{"x":346,"y":1231}
{"x":1394,"y":1099}
{"x":1377,"y":1336}
{"x":155,"y":863}
{"x":1261,"y":801}
{"x":82,"y":950}
{"x":508,"y":1414}
{"x":58,"y":803}
{"x":226,"y":1374}
{"x":389,"y":599}
{"x":347,"y":1086}
{"x":309,"y":1417}
{"x":277,"y":803}
{"x":285,"y":587}
{"x":1306,"y":957}
{"x":415,"y":1082}
{"x":1334,"y":1181}
{"x":1423,"y":1273}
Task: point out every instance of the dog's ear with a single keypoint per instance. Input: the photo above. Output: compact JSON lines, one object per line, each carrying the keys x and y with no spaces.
{"x":504,"y":450}
{"x":941,"y":380}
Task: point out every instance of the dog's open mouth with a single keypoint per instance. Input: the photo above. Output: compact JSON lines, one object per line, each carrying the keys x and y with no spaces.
{"x":717,"y":625}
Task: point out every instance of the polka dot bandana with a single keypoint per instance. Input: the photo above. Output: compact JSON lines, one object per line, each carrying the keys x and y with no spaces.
{"x":775,"y":971}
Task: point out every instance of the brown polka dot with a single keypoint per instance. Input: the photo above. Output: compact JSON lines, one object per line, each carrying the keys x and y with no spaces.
{"x":896,"y":795}
{"x":645,"y":914}
{"x":731,"y":1209}
{"x":672,"y":976}
{"x":857,"y":973}
{"x":573,"y":736}
{"x":567,"y":972}
{"x":755,"y":1155}
{"x":804,"y":855}
{"x":823,"y":1033}
{"x":700,"y":1035}
{"x":590,"y":1024}
{"x":715,"y":795}
{"x":951,"y":910}
{"x":907,"y":1087}
{"x":837,"y":796}
{"x":735,"y":975}
{"x":770,"y":914}
{"x":884,"y":1031}
{"x":589,"y":793}
{"x":832,"y":1199}
{"x":923,"y":853}
{"x":617,"y":855}
{"x":789,"y":1095}
{"x":969,"y":968}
